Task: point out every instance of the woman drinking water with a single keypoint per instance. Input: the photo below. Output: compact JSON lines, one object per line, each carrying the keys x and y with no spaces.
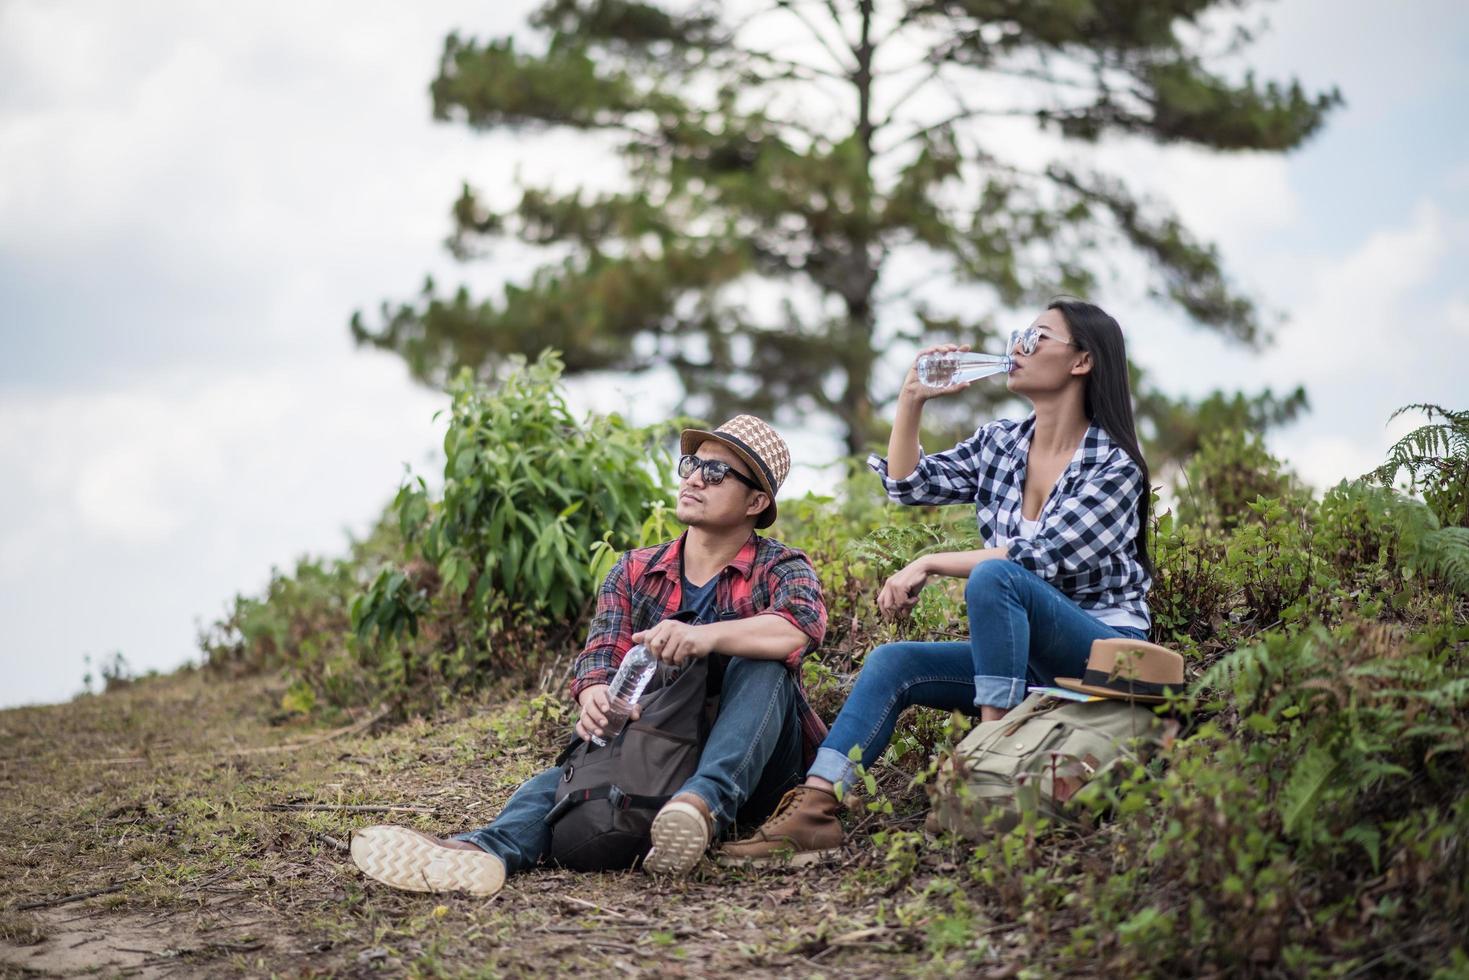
{"x":1062,"y":504}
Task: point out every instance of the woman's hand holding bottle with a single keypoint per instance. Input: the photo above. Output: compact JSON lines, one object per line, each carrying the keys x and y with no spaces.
{"x":916,"y":391}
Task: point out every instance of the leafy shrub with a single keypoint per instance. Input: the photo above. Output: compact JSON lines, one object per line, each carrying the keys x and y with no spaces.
{"x":491,"y":578}
{"x":495,"y":576}
{"x":1377,"y":531}
{"x":1231,"y":470}
{"x":286,"y":626}
{"x":527,"y":491}
{"x":1192,"y":595}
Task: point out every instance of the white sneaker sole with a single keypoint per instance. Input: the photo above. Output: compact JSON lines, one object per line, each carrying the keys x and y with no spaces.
{"x":680,"y":838}
{"x":412,"y":861}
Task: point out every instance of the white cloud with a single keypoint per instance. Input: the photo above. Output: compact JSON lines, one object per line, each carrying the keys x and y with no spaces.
{"x":1457,"y":316}
{"x":1233,"y":199}
{"x":1323,"y":461}
{"x":1326,"y":461}
{"x":135,"y":512}
{"x":1360,"y":318}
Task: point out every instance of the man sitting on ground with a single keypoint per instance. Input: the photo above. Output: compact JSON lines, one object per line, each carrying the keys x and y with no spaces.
{"x":755,"y":603}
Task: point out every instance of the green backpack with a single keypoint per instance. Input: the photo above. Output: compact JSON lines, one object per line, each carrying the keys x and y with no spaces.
{"x":1037,"y":761}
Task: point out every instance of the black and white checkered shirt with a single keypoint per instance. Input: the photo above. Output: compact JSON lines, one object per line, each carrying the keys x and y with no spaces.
{"x":1086,"y":545}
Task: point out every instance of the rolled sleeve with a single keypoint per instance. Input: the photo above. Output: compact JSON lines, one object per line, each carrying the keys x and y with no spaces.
{"x":795,"y":596}
{"x":1100,"y":519}
{"x":949,"y":477}
{"x":610,"y":635}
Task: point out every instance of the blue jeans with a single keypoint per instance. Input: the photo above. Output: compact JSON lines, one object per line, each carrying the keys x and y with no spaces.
{"x":752,"y":757}
{"x":1022,"y":630}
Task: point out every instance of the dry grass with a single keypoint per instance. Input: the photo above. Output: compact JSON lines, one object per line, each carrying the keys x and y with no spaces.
{"x":160,"y":792}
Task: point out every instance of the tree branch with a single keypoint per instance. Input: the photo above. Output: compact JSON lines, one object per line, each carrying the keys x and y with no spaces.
{"x":792,"y":65}
{"x":816,"y":34}
{"x":913,"y":90}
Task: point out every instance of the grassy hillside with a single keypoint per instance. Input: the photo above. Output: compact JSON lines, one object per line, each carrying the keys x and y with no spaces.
{"x":192,"y":817}
{"x":1312,"y":819}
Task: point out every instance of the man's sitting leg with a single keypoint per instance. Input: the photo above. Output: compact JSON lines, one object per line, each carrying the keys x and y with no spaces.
{"x":475,"y":862}
{"x":752,"y":756}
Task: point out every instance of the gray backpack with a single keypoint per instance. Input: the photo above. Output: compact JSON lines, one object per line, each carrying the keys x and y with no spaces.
{"x":1037,"y":761}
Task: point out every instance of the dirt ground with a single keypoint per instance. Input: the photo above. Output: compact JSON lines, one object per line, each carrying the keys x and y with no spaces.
{"x":182,"y":827}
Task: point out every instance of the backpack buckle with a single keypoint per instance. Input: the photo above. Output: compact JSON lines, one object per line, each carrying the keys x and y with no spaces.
{"x":617,"y":799}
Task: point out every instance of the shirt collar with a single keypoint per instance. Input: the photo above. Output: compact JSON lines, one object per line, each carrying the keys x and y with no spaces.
{"x":672,"y":561}
{"x":1095,"y":446}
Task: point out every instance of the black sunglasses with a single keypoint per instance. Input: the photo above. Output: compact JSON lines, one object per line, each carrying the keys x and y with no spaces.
{"x":714,"y":471}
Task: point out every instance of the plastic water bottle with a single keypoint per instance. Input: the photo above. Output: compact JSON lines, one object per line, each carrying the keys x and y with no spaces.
{"x":942,"y":369}
{"x":638,"y":668}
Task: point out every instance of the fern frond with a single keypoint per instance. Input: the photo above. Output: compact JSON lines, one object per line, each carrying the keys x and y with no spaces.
{"x":1429,"y":449}
{"x":1304,"y":787}
{"x":1444,"y":553}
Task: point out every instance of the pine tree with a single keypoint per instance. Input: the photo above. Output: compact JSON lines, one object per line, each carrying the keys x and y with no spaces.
{"x":799,"y":149}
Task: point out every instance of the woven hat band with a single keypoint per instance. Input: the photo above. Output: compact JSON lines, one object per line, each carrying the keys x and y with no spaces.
{"x":770,"y":480}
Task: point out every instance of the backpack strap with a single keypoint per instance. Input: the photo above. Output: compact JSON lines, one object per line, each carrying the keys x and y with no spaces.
{"x":612,"y":794}
{"x":635,"y":568}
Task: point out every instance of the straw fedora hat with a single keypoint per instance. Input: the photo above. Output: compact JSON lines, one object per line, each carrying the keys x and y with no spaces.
{"x":755,"y":442}
{"x":1132,"y":670}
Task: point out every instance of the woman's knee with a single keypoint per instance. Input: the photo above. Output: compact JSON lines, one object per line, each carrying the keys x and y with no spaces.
{"x":884,"y":663}
{"x":890,"y":671}
{"x":991,"y":576}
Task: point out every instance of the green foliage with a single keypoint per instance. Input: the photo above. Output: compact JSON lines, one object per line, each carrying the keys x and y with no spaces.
{"x":1397,"y":533}
{"x":528,"y":490}
{"x":300,"y":623}
{"x":1230,"y":471}
{"x":391,"y":606}
{"x":491,"y":576}
{"x":731,"y":178}
{"x":1436,"y":457}
{"x":1312,"y":818}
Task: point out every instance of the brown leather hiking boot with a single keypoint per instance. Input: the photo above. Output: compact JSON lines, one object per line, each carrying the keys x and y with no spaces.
{"x":804,"y":829}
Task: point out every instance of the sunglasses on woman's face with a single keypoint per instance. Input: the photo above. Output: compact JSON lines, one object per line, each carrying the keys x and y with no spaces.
{"x":1028,"y":339}
{"x":713,"y":471}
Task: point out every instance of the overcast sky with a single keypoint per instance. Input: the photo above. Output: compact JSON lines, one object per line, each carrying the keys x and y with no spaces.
{"x":194,"y":199}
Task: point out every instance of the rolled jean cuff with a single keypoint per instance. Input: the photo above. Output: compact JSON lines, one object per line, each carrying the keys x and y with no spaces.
{"x":998,"y":692}
{"x":832,"y":766}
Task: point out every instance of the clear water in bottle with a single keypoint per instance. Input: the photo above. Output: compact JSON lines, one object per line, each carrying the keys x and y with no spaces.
{"x":942,"y":369}
{"x":638,"y":668}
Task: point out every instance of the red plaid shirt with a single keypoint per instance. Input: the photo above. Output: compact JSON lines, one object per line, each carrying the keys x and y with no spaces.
{"x":781,"y":582}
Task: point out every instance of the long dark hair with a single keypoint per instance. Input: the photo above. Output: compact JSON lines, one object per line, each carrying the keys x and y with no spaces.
{"x":1108,"y":397}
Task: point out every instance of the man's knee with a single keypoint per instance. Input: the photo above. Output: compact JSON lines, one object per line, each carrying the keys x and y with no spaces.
{"x":745,"y":673}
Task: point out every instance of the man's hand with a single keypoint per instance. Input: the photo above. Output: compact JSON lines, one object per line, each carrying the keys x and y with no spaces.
{"x":900,"y":593}
{"x":673,"y":642}
{"x":594,"y":707}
